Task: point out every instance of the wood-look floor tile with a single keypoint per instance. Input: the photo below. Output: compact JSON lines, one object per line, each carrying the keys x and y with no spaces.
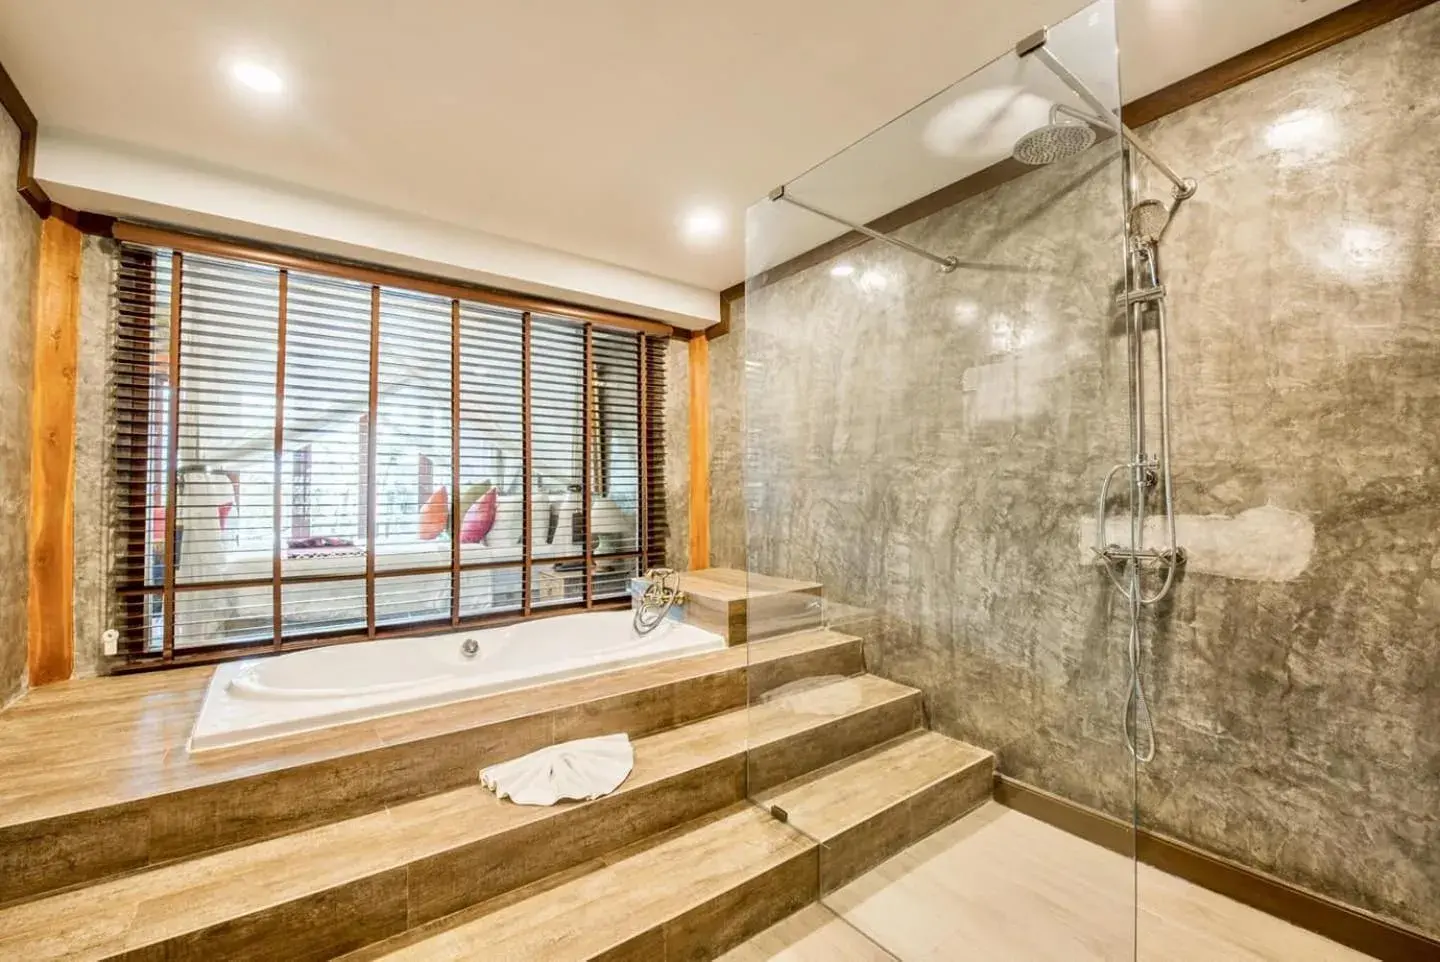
{"x":313,"y":929}
{"x":897,"y":712}
{"x":707,"y":695}
{"x":143,"y":800}
{"x":54,"y":853}
{"x":847,"y":854}
{"x":455,"y":879}
{"x":813,"y":934}
{"x":823,"y":653}
{"x":998,"y":884}
{"x":865,"y":808}
{"x":635,"y":712}
{"x":721,"y":922}
{"x":607,"y":910}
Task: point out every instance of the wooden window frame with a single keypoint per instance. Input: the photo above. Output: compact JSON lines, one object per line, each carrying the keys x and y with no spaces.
{"x":136,"y":592}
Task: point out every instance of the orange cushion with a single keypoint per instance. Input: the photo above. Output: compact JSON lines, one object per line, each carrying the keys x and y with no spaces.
{"x":435,"y":515}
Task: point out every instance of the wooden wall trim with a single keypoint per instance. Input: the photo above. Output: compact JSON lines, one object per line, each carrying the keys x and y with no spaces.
{"x":1087,"y":823}
{"x":24,"y":117}
{"x":699,"y":452}
{"x":1329,"y":30}
{"x":1364,"y":931}
{"x":51,"y":564}
{"x":1299,"y":43}
{"x":722,"y":327}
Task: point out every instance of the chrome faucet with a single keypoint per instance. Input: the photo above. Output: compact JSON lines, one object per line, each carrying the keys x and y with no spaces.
{"x":470,"y":648}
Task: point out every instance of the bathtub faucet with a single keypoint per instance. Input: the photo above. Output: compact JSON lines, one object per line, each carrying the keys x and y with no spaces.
{"x":662,"y":592}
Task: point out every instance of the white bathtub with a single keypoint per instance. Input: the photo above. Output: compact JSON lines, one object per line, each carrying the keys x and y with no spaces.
{"x":262,"y":698}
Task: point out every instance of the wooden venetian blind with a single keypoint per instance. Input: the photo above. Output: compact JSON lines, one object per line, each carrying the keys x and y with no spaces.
{"x":309,"y":457}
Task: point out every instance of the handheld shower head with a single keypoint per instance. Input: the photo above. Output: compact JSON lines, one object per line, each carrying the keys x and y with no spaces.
{"x":1147,"y":221}
{"x":1055,"y":141}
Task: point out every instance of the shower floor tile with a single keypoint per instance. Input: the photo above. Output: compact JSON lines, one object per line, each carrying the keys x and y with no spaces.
{"x":998,"y":884}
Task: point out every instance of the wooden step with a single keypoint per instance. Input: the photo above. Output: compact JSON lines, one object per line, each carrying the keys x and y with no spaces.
{"x":864,"y":809}
{"x":690,"y":896}
{"x":780,"y":748}
{"x":98,"y":782}
{"x":339,"y":886}
{"x":813,"y":934}
{"x":784,"y":659}
{"x":745,"y":606}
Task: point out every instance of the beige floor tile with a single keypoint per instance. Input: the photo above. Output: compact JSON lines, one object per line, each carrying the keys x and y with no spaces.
{"x":999,"y":885}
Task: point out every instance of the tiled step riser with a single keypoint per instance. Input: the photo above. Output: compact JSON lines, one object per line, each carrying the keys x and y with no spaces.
{"x":725,"y":921}
{"x":162,"y":828}
{"x":463,"y":877}
{"x":746,"y":606}
{"x":764,"y":619}
{"x":358,"y":913}
{"x":312,"y":929}
{"x":51,"y":855}
{"x":685,"y":895}
{"x":787,"y":758}
{"x":846,"y":659}
{"x":859,"y":849}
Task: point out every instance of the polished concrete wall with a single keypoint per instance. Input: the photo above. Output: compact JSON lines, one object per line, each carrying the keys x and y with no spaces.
{"x":677,"y":454}
{"x":94,"y":540}
{"x":931,"y":445}
{"x":727,"y":448}
{"x":19,"y":250}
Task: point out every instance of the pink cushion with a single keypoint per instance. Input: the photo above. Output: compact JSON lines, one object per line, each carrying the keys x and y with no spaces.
{"x":480,"y":518}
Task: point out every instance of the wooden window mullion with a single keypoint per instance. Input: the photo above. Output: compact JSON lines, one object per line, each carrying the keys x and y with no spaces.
{"x":277,"y":597}
{"x":455,"y":519}
{"x":642,"y":475}
{"x":526,"y":467}
{"x":371,"y":461}
{"x":172,"y":457}
{"x":587,"y":420}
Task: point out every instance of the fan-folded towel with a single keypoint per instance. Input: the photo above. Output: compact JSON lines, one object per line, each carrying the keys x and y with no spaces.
{"x":583,"y":769}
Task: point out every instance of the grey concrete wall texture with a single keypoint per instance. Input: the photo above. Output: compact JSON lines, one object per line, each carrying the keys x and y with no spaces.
{"x":930,"y":445}
{"x":95,"y":530}
{"x":19,"y":251}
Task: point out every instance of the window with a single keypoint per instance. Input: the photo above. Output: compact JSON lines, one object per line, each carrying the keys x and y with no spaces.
{"x":304,"y":455}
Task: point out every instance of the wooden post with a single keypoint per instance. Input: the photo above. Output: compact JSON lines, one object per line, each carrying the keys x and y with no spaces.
{"x":56,"y":306}
{"x":699,"y":452}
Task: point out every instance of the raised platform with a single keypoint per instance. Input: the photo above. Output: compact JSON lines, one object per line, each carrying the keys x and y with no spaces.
{"x":98,"y":781}
{"x":746,"y":802}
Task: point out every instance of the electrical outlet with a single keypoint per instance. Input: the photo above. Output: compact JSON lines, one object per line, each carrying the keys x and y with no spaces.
{"x":111,"y":640}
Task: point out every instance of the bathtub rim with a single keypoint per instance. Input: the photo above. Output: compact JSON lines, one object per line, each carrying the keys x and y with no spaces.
{"x":232,"y":738}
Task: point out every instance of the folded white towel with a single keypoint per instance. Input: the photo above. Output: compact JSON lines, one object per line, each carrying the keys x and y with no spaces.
{"x":582,"y":769}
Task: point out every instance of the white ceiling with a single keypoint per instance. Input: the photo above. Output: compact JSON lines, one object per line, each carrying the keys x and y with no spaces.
{"x":583,"y":126}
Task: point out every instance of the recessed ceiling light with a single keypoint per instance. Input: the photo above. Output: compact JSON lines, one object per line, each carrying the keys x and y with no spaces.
{"x":253,"y":75}
{"x":842,"y":270}
{"x":703,"y":224}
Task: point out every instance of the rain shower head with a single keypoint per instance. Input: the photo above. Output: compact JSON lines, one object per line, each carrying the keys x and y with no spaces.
{"x":1054,"y":141}
{"x":1034,"y":45}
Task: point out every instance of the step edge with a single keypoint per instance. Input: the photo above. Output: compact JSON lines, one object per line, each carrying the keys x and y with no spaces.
{"x":798,"y":784}
{"x":799,"y":846}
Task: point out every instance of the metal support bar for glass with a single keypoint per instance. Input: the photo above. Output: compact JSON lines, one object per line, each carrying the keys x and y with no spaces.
{"x":946,"y":264}
{"x":1035,"y":45}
